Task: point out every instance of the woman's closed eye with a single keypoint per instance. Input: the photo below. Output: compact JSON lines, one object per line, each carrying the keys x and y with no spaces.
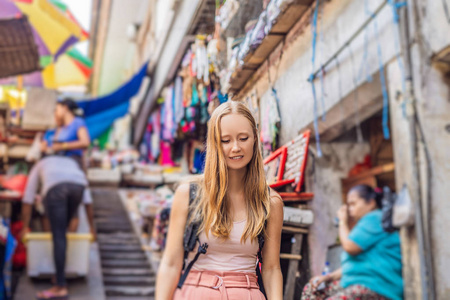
{"x":244,"y":139}
{"x":225,"y":141}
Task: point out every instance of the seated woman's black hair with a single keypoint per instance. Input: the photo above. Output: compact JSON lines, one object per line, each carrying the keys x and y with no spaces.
{"x":367,"y":193}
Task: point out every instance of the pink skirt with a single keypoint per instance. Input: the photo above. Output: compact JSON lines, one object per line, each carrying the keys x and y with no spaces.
{"x":214,"y":285}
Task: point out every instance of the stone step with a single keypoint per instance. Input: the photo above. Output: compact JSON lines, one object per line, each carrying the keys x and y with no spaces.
{"x":113,"y":230}
{"x":129,"y":291}
{"x":120,"y":248}
{"x":131,"y":280}
{"x":113,"y":241}
{"x":118,"y":235}
{"x":132,"y":264}
{"x":127,"y":272}
{"x":123,"y":256}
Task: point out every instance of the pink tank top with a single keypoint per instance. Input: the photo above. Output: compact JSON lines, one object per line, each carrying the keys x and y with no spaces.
{"x":230,"y":255}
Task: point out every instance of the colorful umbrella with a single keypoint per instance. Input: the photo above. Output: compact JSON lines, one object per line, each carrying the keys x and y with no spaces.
{"x":71,"y":69}
{"x":54,"y":27}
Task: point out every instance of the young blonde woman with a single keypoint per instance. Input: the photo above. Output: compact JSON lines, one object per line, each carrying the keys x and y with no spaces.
{"x":233,"y":206}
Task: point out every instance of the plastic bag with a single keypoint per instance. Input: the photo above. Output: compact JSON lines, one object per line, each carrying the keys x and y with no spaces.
{"x":34,"y":154}
{"x":403,"y":211}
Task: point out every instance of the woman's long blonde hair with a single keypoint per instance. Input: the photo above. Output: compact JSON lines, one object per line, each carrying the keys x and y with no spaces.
{"x":211,"y":207}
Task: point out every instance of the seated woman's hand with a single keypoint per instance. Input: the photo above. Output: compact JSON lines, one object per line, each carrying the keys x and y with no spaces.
{"x":317,"y":280}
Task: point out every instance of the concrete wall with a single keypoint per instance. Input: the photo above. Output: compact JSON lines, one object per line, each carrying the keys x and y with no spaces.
{"x":429,"y":29}
{"x":341,"y":19}
{"x":115,"y":61}
{"x":432,"y":92}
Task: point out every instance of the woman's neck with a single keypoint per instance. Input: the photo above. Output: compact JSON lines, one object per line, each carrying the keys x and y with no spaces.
{"x":236,"y":181}
{"x":68,"y":118}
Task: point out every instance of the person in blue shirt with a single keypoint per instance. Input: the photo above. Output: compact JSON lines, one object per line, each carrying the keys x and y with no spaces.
{"x":70,"y":139}
{"x":71,"y":136}
{"x":371,"y":263}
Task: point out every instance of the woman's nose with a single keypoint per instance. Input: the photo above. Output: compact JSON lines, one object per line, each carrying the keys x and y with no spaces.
{"x":236,"y":147}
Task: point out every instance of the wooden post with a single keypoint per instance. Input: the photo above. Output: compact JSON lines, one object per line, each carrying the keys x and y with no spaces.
{"x":293,"y":268}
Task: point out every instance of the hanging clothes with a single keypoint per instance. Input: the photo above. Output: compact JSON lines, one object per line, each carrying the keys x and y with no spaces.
{"x":178,"y":99}
{"x":271,"y":122}
{"x":195,"y":98}
{"x":156,"y":134}
{"x":167,"y":119}
{"x":166,"y":154}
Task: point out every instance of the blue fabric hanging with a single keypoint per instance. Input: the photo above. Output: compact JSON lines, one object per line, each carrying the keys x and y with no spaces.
{"x":121,"y":95}
{"x":101,"y":122}
{"x":100,"y":113}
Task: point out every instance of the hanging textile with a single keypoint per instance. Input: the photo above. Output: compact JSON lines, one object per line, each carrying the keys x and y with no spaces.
{"x":166,"y":154}
{"x":167,"y":113}
{"x":122,"y":95}
{"x":178,"y":99}
{"x":103,"y":139}
{"x":100,"y":113}
{"x":101,"y":122}
{"x":271,"y":121}
{"x":156,"y":134}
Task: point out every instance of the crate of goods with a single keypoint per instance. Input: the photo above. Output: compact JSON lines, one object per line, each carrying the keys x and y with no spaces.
{"x":103,"y":175}
{"x":297,"y":217}
{"x":40,"y":255}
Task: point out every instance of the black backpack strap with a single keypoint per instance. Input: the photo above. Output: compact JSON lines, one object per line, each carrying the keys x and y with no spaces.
{"x":261,"y":240}
{"x":201,"y":250}
{"x":191,"y":229}
{"x":192,"y":195}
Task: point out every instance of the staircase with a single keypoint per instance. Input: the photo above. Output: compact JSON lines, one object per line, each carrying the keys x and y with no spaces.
{"x":127,"y":274}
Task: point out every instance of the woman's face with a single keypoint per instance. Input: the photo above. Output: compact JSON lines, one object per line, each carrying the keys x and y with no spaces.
{"x":357,"y":206}
{"x":237,"y":140}
{"x":60,"y":111}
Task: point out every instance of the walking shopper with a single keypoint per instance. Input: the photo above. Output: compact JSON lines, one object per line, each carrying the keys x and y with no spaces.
{"x":371,"y":261}
{"x":62,"y":185}
{"x":71,"y":136}
{"x":233,"y":206}
{"x":70,"y":139}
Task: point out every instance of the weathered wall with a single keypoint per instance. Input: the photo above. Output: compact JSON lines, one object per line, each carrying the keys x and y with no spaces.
{"x":433,"y":106}
{"x":341,"y":19}
{"x":328,"y":171}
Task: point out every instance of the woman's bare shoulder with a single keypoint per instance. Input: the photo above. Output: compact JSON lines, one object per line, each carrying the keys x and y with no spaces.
{"x":275,"y":199}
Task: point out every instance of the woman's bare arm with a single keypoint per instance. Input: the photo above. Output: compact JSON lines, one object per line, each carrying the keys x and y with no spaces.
{"x":271,"y":270}
{"x":172,"y":260}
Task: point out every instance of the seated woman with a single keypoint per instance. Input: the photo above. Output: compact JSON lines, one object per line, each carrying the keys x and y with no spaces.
{"x":371,"y":261}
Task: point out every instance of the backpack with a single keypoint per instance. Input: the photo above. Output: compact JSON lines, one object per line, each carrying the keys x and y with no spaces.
{"x":191,"y":238}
